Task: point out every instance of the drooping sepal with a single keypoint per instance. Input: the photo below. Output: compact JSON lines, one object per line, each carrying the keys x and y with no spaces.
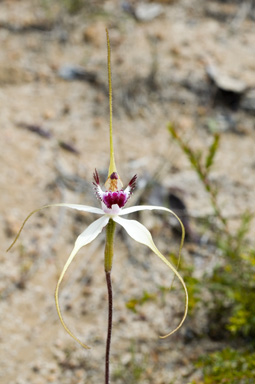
{"x":141,"y":234}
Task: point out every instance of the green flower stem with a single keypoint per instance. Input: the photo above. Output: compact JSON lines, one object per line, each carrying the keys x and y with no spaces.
{"x":110,"y":229}
{"x":108,"y":253}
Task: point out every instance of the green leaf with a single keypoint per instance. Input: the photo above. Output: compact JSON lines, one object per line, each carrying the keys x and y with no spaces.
{"x":212,"y":151}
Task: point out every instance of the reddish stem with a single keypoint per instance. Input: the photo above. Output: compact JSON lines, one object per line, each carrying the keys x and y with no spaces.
{"x":109,"y":332}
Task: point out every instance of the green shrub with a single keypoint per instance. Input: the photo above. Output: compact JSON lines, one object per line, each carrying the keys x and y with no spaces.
{"x":231,"y":310}
{"x":228,"y":366}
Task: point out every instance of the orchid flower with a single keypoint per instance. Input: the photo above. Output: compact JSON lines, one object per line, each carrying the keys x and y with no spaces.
{"x":113,"y":199}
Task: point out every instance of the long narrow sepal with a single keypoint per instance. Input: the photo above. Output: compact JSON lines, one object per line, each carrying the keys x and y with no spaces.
{"x":141,"y":234}
{"x":85,"y":238}
{"x":112,"y":167}
{"x":137,"y":208}
{"x":79,"y":207}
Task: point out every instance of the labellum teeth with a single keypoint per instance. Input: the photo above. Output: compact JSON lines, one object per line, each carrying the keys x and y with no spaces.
{"x":119,"y":197}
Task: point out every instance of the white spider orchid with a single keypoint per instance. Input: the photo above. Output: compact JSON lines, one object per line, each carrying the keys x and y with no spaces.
{"x":113,"y":201}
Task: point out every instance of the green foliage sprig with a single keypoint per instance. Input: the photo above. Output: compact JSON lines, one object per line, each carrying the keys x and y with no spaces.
{"x":228,"y":366}
{"x":231,"y":310}
{"x":202,"y":165}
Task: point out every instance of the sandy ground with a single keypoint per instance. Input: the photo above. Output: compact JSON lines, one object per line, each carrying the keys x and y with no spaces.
{"x":54,"y":133}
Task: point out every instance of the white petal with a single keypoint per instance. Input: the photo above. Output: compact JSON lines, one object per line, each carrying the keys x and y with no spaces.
{"x":141,"y":234}
{"x":84,"y":208}
{"x":79,"y":207}
{"x":136,"y":208}
{"x":85,"y":238}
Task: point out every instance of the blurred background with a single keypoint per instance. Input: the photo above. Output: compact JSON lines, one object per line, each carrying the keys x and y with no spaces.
{"x":183,"y":77}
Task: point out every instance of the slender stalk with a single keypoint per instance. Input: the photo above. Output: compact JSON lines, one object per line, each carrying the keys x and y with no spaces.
{"x":110,"y":229}
{"x":109,"y":332}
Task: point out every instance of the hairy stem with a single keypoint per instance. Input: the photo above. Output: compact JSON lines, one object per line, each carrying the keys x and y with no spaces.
{"x":109,"y":332}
